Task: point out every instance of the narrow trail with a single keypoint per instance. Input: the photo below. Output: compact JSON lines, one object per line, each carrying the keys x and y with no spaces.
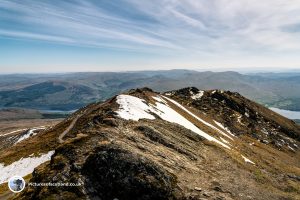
{"x":60,"y":137}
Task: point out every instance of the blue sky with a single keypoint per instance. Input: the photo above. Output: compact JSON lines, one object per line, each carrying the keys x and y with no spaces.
{"x":121,"y":35}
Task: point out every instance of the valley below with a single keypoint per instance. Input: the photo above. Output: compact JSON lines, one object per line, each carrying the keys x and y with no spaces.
{"x":294,"y":115}
{"x":71,"y":91}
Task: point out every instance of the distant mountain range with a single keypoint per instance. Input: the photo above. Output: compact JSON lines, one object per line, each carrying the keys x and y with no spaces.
{"x":74,"y":90}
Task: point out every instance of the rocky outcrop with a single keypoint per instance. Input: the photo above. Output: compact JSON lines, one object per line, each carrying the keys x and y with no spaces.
{"x":121,"y":174}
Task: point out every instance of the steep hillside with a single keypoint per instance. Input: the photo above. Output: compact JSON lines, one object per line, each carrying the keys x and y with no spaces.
{"x":183,"y":144}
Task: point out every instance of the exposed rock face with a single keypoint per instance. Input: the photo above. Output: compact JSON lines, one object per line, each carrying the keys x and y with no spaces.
{"x":121,"y":174}
{"x":217,"y":150}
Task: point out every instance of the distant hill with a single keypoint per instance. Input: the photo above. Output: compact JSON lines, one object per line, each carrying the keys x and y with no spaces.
{"x":72,"y":90}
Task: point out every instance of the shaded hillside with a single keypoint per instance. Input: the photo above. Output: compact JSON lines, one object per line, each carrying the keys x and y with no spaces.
{"x":184,"y":144}
{"x":49,"y":95}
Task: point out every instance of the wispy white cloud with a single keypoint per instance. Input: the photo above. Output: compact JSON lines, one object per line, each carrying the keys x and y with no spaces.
{"x":34,"y":36}
{"x":200,"y":27}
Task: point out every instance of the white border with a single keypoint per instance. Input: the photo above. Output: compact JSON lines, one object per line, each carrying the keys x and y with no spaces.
{"x":16,"y":177}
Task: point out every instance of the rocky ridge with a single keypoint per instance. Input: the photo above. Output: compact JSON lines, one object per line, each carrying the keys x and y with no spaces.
{"x":183,"y":144}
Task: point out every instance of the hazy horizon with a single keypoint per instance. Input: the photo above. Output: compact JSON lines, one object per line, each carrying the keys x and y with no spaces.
{"x":239,"y":70}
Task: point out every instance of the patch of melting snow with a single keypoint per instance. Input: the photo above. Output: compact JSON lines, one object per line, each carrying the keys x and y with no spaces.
{"x":135,"y":108}
{"x":239,"y":120}
{"x":225,"y":128}
{"x":160,"y":100}
{"x":247,"y":160}
{"x":24,"y":129}
{"x":198,"y":118}
{"x":198,"y":95}
{"x":225,"y":141}
{"x":30,"y":133}
{"x":247,"y":114}
{"x":22,"y":167}
{"x":291,"y":148}
{"x":169,"y":93}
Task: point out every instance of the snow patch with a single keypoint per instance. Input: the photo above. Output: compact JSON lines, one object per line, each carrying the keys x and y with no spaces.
{"x":171,"y":115}
{"x":24,"y":129}
{"x":22,"y":167}
{"x":198,"y":95}
{"x":225,"y":128}
{"x":135,"y":108}
{"x":199,"y":119}
{"x":239,"y":120}
{"x":247,"y":114}
{"x":247,"y":160}
{"x":291,"y":148}
{"x":169,"y":93}
{"x":160,"y":100}
{"x":30,"y":133}
{"x":225,"y":141}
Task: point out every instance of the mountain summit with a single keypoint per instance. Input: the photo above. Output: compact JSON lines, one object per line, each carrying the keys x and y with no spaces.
{"x":182,"y":144}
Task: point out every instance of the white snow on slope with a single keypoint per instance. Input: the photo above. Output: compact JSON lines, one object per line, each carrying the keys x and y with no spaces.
{"x":225,"y":141}
{"x":199,"y":119}
{"x":198,"y":95}
{"x":30,"y":133}
{"x":247,"y":160}
{"x":22,"y":167}
{"x":135,"y":108}
{"x":14,"y":132}
{"x":247,"y":114}
{"x":169,"y":93}
{"x":158,"y":99}
{"x":239,"y":119}
{"x":225,"y":128}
